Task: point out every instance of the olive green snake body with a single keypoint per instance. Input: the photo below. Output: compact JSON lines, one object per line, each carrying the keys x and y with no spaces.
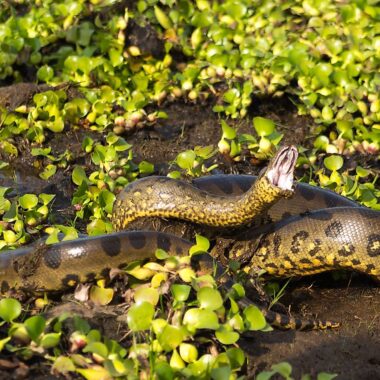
{"x":303,"y":234}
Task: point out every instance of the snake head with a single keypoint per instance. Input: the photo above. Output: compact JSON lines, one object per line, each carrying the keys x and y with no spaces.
{"x":281,"y":168}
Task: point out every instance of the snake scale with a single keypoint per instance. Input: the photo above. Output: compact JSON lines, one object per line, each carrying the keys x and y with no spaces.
{"x":310,"y":230}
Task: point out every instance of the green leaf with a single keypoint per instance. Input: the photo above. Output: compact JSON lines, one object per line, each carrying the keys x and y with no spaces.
{"x":180,"y":292}
{"x":106,"y":200}
{"x":3,"y":342}
{"x":254,"y":318}
{"x":78,"y":175}
{"x":96,"y":372}
{"x":209,"y":298}
{"x":28,"y":201}
{"x":333,"y":162}
{"x":185,"y":160}
{"x":48,"y":172}
{"x":283,"y":368}
{"x":201,"y":319}
{"x":326,"y":376}
{"x":228,"y":132}
{"x":50,"y":340}
{"x":162,"y":18}
{"x":35,"y":326}
{"x":236,"y":356}
{"x":226,"y":335}
{"x":98,"y":348}
{"x":265,"y":375}
{"x":361,"y":172}
{"x":146,"y":167}
{"x":264,"y":127}
{"x":171,"y":337}
{"x":101,"y":296}
{"x":10,"y":309}
{"x":63,"y":365}
{"x":146,"y":295}
{"x":188,"y":352}
{"x":45,"y":73}
{"x":202,"y":245}
{"x":140,"y":316}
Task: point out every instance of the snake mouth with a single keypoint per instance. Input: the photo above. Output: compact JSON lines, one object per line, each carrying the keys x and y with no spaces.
{"x":280,"y":173}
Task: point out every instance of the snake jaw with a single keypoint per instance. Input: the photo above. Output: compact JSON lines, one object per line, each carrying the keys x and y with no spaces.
{"x":280,"y":173}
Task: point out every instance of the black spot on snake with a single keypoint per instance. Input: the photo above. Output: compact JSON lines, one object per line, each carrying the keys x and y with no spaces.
{"x":53,"y":258}
{"x":373,"y":246}
{"x":4,"y":286}
{"x":270,"y":317}
{"x":163,"y":242}
{"x":305,"y":261}
{"x":334,"y":229}
{"x":370,"y":267}
{"x":367,"y":213}
{"x":179,"y":250}
{"x":346,"y":250}
{"x":164,"y":180}
{"x":138,"y":240}
{"x":317,"y":247}
{"x":244,"y":186}
{"x":227,"y":187}
{"x":286,"y":214}
{"x":284,"y":320}
{"x":329,"y":198}
{"x":70,"y":280}
{"x":105,"y":273}
{"x":320,"y":215}
{"x":306,"y":193}
{"x":297,"y":239}
{"x":90,"y":276}
{"x":111,"y":246}
{"x":277,"y":244}
{"x":265,"y":243}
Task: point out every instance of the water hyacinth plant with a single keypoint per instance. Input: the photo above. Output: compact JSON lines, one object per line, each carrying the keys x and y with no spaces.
{"x":98,"y":73}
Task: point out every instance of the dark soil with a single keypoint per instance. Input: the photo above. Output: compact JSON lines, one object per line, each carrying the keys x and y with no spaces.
{"x":352,"y":351}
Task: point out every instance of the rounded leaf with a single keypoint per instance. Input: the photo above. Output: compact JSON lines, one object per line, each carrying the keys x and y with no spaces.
{"x":10,"y":309}
{"x":28,"y":201}
{"x":146,"y":295}
{"x":185,"y":160}
{"x":209,"y":298}
{"x":101,"y":296}
{"x":333,"y":162}
{"x":226,"y":335}
{"x":35,"y":326}
{"x":201,"y":319}
{"x":188,"y":352}
{"x":254,"y":318}
{"x":263,"y":126}
{"x":140,"y":316}
{"x":171,"y":337}
{"x":236,"y":357}
{"x":180,"y":292}
{"x":50,"y":340}
{"x":45,"y":73}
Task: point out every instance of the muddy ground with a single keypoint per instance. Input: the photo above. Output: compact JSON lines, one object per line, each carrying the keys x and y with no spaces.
{"x":352,"y":351}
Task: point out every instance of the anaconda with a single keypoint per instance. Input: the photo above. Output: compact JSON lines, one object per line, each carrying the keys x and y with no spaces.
{"x":67,"y":263}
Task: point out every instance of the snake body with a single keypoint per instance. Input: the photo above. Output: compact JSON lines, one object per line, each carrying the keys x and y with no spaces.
{"x":304,"y":234}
